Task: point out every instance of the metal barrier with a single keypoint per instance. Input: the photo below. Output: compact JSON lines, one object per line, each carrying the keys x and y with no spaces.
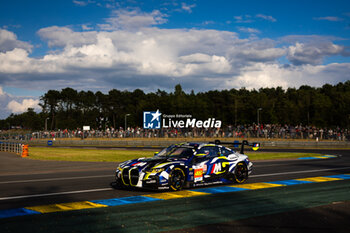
{"x":13,"y":147}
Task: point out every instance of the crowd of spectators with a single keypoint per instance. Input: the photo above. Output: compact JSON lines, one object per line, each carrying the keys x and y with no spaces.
{"x":268,"y":131}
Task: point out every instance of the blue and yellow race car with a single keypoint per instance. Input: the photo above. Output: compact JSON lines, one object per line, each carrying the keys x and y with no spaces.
{"x":188,"y":165}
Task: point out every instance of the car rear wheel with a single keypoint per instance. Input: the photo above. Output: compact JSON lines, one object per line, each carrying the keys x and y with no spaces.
{"x":176,"y":179}
{"x":241,"y":173}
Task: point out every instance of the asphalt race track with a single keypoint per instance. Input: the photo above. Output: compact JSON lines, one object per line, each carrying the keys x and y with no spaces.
{"x":25,"y":182}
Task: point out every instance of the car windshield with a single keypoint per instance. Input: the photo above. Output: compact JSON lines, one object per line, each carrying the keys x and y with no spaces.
{"x":176,"y":151}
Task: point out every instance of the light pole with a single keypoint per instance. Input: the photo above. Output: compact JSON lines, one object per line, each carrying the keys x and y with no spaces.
{"x":126,"y":115}
{"x":259,"y":109}
{"x":46,"y":123}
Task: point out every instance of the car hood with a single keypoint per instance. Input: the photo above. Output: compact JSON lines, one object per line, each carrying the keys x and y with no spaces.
{"x":149,"y":163}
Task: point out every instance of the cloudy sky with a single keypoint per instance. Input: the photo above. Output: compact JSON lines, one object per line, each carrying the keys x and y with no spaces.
{"x":203,"y":45}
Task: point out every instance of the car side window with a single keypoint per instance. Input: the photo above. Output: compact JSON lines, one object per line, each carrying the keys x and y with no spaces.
{"x":225,"y":152}
{"x":208,"y":151}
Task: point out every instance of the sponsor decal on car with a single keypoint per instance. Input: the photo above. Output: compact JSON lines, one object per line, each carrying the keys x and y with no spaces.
{"x":198,"y":175}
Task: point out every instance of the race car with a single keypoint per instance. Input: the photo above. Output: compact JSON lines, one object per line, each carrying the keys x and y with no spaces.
{"x":187,"y":165}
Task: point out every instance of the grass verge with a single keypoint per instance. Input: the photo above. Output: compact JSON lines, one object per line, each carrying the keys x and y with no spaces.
{"x":96,"y":155}
{"x":87,"y":155}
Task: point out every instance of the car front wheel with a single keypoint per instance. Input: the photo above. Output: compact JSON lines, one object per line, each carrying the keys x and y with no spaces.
{"x":176,"y":179}
{"x":241,"y":173}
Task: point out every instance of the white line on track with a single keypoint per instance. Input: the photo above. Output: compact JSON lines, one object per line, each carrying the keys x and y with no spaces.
{"x":296,"y":172}
{"x":53,"y":194}
{"x":53,"y":179}
{"x":109,"y":189}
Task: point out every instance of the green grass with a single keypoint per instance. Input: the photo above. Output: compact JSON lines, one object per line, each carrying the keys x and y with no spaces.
{"x":88,"y":155}
{"x":95,"y":155}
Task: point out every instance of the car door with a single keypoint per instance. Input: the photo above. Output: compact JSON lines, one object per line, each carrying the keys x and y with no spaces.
{"x":209,"y":164}
{"x":218,"y":165}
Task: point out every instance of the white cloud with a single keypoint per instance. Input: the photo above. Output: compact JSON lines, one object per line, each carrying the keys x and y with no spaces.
{"x":134,"y":53}
{"x":64,"y":36}
{"x":263,"y":50}
{"x":15,"y":104}
{"x":9,"y":41}
{"x":249,"y":30}
{"x":309,"y":39}
{"x":329,"y":18}
{"x":82,"y":3}
{"x":208,"y":22}
{"x":198,"y":63}
{"x":252,"y":54}
{"x":187,"y":7}
{"x":243,"y":19}
{"x":14,"y":61}
{"x":16,"y":107}
{"x":133,"y":19}
{"x":259,"y":75}
{"x":314,"y":53}
{"x":195,"y":58}
{"x":250,"y":19}
{"x":86,"y":27}
{"x":274,"y":75}
{"x":266,"y":17}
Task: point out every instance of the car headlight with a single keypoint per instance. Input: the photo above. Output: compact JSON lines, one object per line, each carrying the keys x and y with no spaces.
{"x":157,"y":170}
{"x":119,"y":169}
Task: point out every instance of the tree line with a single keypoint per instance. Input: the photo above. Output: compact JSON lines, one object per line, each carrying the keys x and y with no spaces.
{"x":326,"y":106}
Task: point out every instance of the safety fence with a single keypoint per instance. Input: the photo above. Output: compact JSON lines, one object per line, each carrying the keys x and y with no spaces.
{"x":268,"y":131}
{"x":18,"y":148}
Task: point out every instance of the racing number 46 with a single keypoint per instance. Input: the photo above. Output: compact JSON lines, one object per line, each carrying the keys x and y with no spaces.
{"x":217,"y":168}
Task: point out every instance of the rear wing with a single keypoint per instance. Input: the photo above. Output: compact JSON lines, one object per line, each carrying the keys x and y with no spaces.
{"x":255,"y":145}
